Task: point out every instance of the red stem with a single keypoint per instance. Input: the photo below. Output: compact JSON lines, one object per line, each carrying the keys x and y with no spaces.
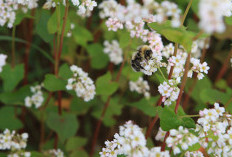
{"x":224,"y":67}
{"x":164,"y":144}
{"x":96,"y":133}
{"x":28,"y":47}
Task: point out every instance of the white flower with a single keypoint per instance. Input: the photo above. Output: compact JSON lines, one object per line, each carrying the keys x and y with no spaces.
{"x":141,"y":86}
{"x":75,"y":2}
{"x":114,"y":51}
{"x":37,"y":97}
{"x":81,"y":84}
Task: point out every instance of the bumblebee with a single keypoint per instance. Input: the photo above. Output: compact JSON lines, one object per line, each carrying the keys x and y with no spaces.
{"x":143,"y":53}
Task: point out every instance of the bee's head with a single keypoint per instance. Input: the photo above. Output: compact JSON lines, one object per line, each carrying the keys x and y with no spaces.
{"x":146,"y":52}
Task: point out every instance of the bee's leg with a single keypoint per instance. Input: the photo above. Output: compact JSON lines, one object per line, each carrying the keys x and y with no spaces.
{"x":135,"y":65}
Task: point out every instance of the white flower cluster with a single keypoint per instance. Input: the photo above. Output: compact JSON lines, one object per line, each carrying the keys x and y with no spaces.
{"x":215,"y":131}
{"x":84,"y":9}
{"x":198,"y":45}
{"x":72,"y":26}
{"x":37,"y":97}
{"x":19,"y":154}
{"x":131,"y":17}
{"x":168,"y":50}
{"x":114,"y":51}
{"x":14,"y":142}
{"x":168,"y":10}
{"x":169,"y":91}
{"x":211,"y":13}
{"x":180,"y":139}
{"x":56,"y":153}
{"x":151,"y":66}
{"x":141,"y":86}
{"x":8,"y":9}
{"x":130,"y":142}
{"x":178,"y":62}
{"x":2,"y":61}
{"x":194,"y":154}
{"x":81,"y":84}
{"x":160,"y":135}
{"x":198,"y":68}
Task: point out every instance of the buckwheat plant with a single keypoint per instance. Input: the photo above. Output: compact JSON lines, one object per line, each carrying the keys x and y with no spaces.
{"x":130,"y":142}
{"x":81,"y":84}
{"x":141,"y":86}
{"x":37,"y":98}
{"x":15,"y":143}
{"x":3,"y":58}
{"x":114,"y":51}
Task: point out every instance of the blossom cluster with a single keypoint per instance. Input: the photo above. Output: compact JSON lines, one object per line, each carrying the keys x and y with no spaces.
{"x":180,"y":138}
{"x":114,"y":51}
{"x":213,"y":132}
{"x":133,"y":15}
{"x":8,"y":9}
{"x":130,"y":142}
{"x":37,"y":97}
{"x":81,"y":84}
{"x":84,"y":9}
{"x":169,"y":91}
{"x":211,"y":13}
{"x":2,"y":61}
{"x":141,"y":86}
{"x":55,"y":153}
{"x":198,"y":68}
{"x":14,"y":142}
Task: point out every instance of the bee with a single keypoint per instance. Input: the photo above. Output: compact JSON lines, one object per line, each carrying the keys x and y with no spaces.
{"x":143,"y":53}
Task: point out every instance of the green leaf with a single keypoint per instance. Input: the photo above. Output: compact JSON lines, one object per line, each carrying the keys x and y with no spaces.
{"x":8,"y":119}
{"x":75,"y":143}
{"x":65,"y":72}
{"x":228,"y":20}
{"x":15,"y":97}
{"x":20,"y":16}
{"x":52,"y":83}
{"x":53,"y":22}
{"x":113,"y":109}
{"x":82,"y":35}
{"x":194,"y":147}
{"x":168,"y":119}
{"x":81,"y":153}
{"x":124,"y":39}
{"x":44,"y":53}
{"x":213,"y":95}
{"x":130,"y":74}
{"x":147,"y":106}
{"x":178,"y":35}
{"x":99,"y":59}
{"x":221,"y":84}
{"x":64,"y":125}
{"x":104,"y":85}
{"x":41,"y":26}
{"x":11,"y":76}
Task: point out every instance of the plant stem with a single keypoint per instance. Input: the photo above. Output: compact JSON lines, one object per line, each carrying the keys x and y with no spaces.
{"x":58,"y":52}
{"x":13,"y":47}
{"x":28,"y":47}
{"x":96,"y":132}
{"x":183,"y":82}
{"x":224,"y":67}
{"x":42,"y":121}
{"x":189,"y":116}
{"x":186,"y":12}
{"x":162,"y":74}
{"x":170,"y":73}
